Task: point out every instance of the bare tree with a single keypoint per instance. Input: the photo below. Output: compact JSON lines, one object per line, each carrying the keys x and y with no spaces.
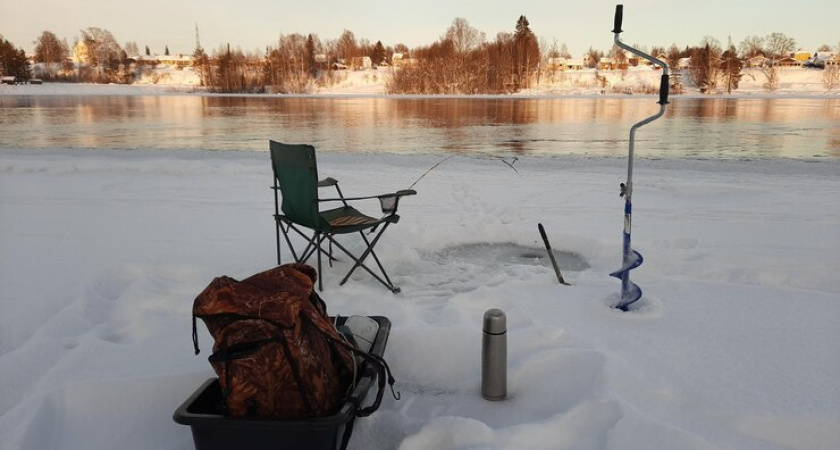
{"x":777,"y":46}
{"x":464,"y":37}
{"x":131,"y":49}
{"x":673,"y":54}
{"x":831,"y":77}
{"x":618,"y":57}
{"x":51,"y":52}
{"x":347,"y":46}
{"x":751,"y":46}
{"x":592,"y":57}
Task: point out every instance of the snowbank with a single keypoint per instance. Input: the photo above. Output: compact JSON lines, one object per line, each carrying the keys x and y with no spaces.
{"x":733,"y":346}
{"x":794,"y":82}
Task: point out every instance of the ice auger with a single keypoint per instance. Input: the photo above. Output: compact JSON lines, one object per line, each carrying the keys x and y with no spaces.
{"x":632,"y":259}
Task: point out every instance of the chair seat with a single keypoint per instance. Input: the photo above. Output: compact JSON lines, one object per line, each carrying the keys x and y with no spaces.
{"x":347,"y":219}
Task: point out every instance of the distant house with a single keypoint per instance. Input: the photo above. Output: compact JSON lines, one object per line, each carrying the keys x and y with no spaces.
{"x":338,"y":66}
{"x":176,"y":61}
{"x":788,"y":62}
{"x":802,"y":56}
{"x":573,"y":64}
{"x":8,"y":79}
{"x":833,"y":61}
{"x":361,"y":63}
{"x":757,"y":61}
{"x":606,"y":64}
{"x":554,"y":64}
{"x":662,"y":57}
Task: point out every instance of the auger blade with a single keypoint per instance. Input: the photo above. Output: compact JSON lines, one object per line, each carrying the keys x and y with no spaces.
{"x":630,"y":292}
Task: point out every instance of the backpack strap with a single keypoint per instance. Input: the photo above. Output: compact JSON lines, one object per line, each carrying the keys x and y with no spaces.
{"x":383,"y":371}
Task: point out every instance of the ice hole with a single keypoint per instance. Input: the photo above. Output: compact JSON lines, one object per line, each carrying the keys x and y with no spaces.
{"x":495,"y":255}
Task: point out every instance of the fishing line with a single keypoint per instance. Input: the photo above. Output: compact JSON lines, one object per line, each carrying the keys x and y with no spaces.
{"x":502,"y":159}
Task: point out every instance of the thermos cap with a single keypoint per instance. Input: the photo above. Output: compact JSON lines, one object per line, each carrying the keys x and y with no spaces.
{"x":495,"y":321}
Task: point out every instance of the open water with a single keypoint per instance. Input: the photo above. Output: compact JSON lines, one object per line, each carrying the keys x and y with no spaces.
{"x":691,"y":128}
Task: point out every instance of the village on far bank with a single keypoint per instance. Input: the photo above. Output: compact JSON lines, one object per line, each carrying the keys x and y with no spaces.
{"x":801,"y":73}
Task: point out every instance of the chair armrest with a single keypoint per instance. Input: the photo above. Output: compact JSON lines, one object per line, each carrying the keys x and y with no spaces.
{"x":326,"y":182}
{"x":370,"y":197}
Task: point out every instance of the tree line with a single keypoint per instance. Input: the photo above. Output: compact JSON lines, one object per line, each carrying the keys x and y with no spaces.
{"x":461,"y":61}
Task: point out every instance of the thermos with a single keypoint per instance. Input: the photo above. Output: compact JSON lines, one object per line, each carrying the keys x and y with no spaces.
{"x":494,"y":356}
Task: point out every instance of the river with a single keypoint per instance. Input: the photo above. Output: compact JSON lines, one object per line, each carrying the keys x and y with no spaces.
{"x":715,"y":128}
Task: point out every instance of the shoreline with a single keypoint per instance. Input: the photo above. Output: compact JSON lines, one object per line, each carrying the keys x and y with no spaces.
{"x":90,"y":89}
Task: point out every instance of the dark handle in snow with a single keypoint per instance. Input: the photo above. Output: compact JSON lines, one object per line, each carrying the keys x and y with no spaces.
{"x":551,"y":255}
{"x":664,"y":85}
{"x":619,"y":12}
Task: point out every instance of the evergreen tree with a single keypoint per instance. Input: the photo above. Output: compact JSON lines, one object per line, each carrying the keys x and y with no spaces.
{"x":166,"y":51}
{"x":378,"y":53}
{"x":13,"y":61}
{"x":310,"y":56}
{"x":705,"y":65}
{"x":202,"y":61}
{"x":731,"y":67}
{"x":148,"y":53}
{"x":526,"y":52}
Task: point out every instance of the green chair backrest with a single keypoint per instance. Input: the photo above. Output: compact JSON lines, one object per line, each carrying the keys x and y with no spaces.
{"x":296,"y":173}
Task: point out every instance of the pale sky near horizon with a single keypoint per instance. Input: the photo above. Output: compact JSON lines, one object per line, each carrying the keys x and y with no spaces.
{"x":254,"y":24}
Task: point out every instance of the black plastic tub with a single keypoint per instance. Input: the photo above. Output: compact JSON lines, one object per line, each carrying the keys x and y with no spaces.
{"x":213,"y":431}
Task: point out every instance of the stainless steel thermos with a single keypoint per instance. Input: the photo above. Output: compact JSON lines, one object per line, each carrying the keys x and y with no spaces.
{"x":494,"y":356}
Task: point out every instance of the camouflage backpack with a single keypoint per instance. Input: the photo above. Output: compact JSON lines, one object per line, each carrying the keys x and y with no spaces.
{"x":276,"y":352}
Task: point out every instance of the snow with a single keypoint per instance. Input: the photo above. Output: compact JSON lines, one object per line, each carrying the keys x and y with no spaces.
{"x":794,"y":82}
{"x":734,"y":344}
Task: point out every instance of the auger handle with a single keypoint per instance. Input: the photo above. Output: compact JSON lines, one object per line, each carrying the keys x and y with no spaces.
{"x":664,"y":85}
{"x":619,"y":13}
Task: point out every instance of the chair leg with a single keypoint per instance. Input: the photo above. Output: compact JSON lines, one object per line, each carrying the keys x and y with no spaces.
{"x":376,"y":258}
{"x":319,"y":239}
{"x":359,"y":262}
{"x":277,"y":233}
{"x":310,"y":246}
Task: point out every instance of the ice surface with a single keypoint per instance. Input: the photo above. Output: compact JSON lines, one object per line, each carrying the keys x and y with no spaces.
{"x":735,"y":344}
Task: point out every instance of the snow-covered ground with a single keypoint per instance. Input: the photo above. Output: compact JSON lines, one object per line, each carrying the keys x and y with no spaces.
{"x":734,"y":346}
{"x":794,"y":82}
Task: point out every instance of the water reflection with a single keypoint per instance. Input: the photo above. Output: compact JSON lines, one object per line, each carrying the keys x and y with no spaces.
{"x":706,"y":128}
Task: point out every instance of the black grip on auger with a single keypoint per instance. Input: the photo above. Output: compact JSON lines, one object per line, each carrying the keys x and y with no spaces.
{"x":619,"y":12}
{"x":664,"y":86}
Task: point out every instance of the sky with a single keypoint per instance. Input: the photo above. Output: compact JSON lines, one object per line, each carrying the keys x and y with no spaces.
{"x":252,"y":25}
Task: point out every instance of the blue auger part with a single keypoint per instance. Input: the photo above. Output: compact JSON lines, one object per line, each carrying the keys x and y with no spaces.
{"x":630,"y":292}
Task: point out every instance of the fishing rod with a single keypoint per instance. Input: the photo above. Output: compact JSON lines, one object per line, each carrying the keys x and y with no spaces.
{"x":632,"y":259}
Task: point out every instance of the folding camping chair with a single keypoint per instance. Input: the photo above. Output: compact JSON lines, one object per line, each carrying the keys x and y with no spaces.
{"x":296,"y":181}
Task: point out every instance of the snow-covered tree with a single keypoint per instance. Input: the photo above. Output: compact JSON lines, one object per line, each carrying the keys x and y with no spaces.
{"x":98,"y":48}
